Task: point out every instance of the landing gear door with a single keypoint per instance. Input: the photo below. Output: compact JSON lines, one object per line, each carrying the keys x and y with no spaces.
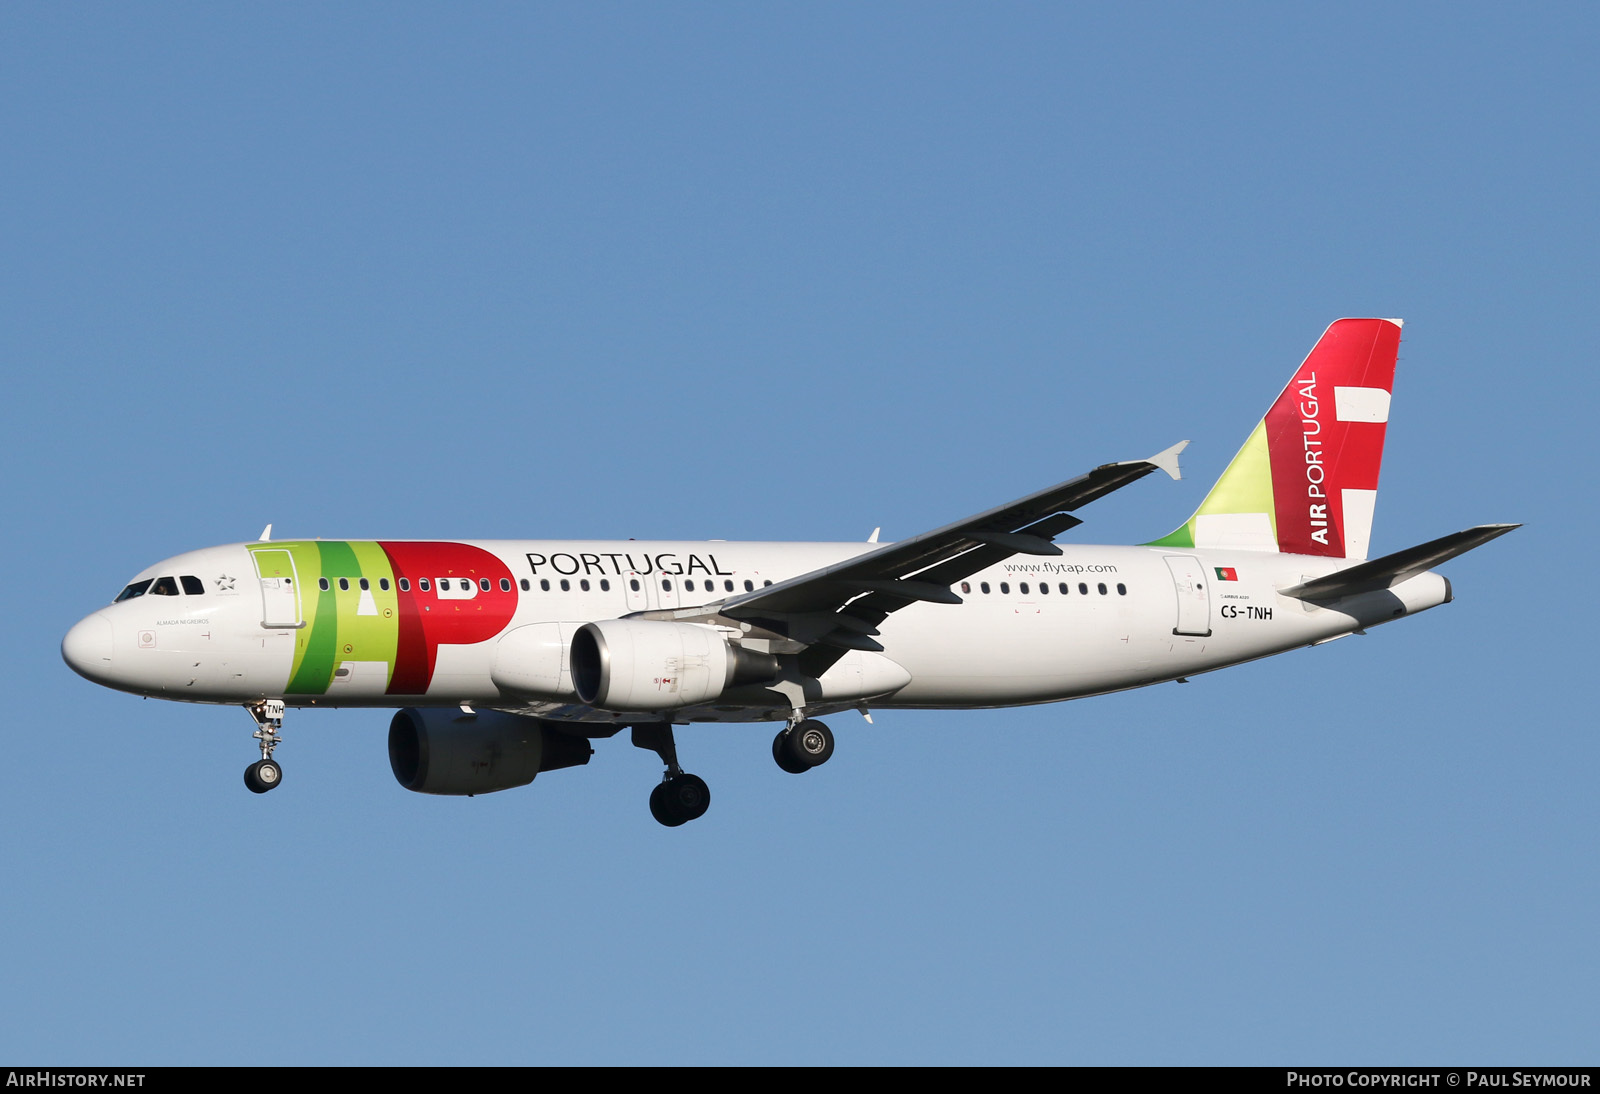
{"x":280,"y":589}
{"x":1194,"y":602}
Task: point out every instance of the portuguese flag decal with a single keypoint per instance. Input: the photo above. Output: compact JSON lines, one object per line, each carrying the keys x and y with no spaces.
{"x":1226,"y":573}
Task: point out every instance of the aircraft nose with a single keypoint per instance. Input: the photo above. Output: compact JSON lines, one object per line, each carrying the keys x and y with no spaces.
{"x":87,"y":647}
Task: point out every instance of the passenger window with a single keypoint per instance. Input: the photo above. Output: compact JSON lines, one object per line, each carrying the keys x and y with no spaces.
{"x":322,"y":583}
{"x":1122,"y":590}
{"x":605,"y":585}
{"x":422,"y":583}
{"x":1044,"y":588}
{"x":983,"y":586}
{"x":365,"y":586}
{"x":966,"y":586}
{"x":444,"y":584}
{"x":764,"y":584}
{"x":689,"y":585}
{"x":344,"y":584}
{"x":727,"y":586}
{"x":544,"y":584}
{"x":749,"y":586}
{"x":1083,"y":588}
{"x":666,"y":585}
{"x":191,"y":585}
{"x":525,"y":585}
{"x":405,"y":585}
{"x":633,"y":583}
{"x":1102,"y":588}
{"x":505,"y":584}
{"x":583,"y":583}
{"x":165,"y":586}
{"x":1005,"y":587}
{"x":136,"y":589}
{"x":483,"y":584}
{"x":1023,"y":588}
{"x":1064,"y":588}
{"x":566,"y":586}
{"x":383,"y":584}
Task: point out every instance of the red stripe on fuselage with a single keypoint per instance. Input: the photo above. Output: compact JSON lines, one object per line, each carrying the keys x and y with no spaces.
{"x":428,"y":621}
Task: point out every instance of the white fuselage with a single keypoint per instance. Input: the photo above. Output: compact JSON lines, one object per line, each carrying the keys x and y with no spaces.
{"x":1030,"y":630}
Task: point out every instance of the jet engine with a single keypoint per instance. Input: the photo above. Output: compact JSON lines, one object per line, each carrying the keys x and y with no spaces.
{"x":637,"y":664}
{"x":447,"y":752}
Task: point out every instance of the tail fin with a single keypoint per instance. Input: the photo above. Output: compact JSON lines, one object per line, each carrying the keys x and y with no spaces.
{"x":1306,"y":481}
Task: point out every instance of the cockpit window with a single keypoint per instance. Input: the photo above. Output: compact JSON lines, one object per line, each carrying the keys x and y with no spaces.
{"x":136,"y":589}
{"x":192,"y":585}
{"x":165,"y":586}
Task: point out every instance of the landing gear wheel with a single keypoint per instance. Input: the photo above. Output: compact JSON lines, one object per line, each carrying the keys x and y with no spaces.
{"x":660,"y":810}
{"x":262,"y":776}
{"x":807,"y":745}
{"x":780,"y":753}
{"x":679,"y":800}
{"x":265,"y":773}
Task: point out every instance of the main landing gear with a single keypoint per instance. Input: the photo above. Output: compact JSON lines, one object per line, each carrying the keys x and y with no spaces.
{"x":801,"y":747}
{"x":265,"y":773}
{"x":680,"y":797}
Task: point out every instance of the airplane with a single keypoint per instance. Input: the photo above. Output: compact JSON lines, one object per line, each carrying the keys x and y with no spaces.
{"x":508,"y":658}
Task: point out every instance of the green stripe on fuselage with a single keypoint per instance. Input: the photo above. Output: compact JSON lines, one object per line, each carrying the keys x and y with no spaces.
{"x":349,"y":624}
{"x":314,"y":652}
{"x":374,"y":635}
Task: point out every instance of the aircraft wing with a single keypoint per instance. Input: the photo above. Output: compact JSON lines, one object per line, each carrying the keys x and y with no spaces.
{"x":839,"y":607}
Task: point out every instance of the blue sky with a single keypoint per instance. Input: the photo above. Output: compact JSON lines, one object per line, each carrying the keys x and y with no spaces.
{"x":793,"y":272}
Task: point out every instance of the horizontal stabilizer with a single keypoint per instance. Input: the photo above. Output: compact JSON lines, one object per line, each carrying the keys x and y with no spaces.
{"x":1390,"y":570}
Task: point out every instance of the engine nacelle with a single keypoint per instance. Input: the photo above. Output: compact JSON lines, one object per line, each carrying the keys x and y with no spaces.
{"x":533,"y":660}
{"x":641,"y":664}
{"x":447,"y":752}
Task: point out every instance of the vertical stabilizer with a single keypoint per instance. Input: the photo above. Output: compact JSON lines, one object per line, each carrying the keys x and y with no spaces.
{"x":1306,"y":480}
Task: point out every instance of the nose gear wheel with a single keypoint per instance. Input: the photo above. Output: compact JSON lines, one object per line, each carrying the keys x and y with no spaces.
{"x":265,"y":774}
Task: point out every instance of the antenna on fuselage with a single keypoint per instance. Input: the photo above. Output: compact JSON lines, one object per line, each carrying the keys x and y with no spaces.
{"x":266,"y":535}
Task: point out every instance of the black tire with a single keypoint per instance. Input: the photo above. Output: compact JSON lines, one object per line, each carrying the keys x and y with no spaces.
{"x":780,"y":754}
{"x":661,"y":808}
{"x":809,"y":743}
{"x":262,"y":776}
{"x":689,"y":795}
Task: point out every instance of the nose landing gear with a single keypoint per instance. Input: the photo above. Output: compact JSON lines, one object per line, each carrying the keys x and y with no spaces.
{"x":265,"y":773}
